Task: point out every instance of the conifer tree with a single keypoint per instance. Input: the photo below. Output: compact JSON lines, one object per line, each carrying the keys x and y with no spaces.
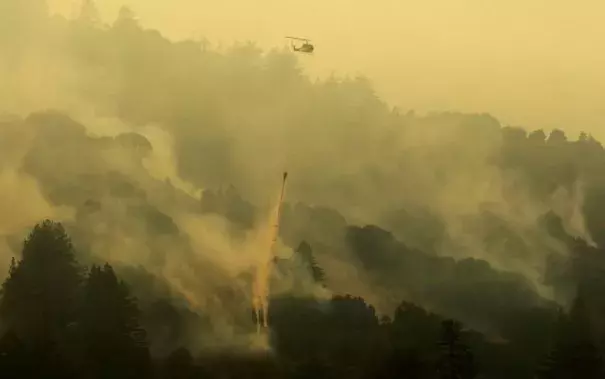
{"x":179,"y":365}
{"x":39,"y":296}
{"x":456,"y":361}
{"x":574,"y":354}
{"x":306,"y":253}
{"x":89,"y":12}
{"x":115,"y":343}
{"x":14,"y":360}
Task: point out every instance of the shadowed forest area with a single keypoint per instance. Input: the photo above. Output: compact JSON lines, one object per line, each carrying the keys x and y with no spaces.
{"x":136,"y":179}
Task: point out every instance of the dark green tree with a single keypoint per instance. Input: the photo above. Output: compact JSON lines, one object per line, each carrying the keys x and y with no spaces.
{"x":456,"y":361}
{"x":40,"y":294}
{"x":179,"y":365}
{"x":15,"y":363}
{"x":575,"y":354}
{"x":115,"y":344}
{"x":306,"y":253}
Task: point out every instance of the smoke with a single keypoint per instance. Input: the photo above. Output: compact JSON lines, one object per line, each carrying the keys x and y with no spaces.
{"x":21,"y":206}
{"x":21,"y":202}
{"x":159,"y":122}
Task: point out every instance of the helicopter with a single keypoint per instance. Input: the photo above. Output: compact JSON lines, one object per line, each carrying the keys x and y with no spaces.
{"x":306,"y":47}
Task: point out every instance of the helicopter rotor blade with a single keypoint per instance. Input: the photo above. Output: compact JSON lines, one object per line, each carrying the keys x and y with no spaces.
{"x":299,"y":39}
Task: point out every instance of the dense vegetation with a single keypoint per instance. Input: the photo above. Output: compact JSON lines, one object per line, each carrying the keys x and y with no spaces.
{"x":438,"y":246}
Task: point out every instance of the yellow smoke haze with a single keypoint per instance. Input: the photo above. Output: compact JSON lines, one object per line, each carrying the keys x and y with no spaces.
{"x":530,"y":62}
{"x":534,"y":63}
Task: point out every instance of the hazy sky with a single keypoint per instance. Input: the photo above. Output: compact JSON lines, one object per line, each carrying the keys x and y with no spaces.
{"x":534,"y":63}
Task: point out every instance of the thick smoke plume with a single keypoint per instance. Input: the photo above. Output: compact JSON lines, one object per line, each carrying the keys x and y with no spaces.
{"x":134,"y":141}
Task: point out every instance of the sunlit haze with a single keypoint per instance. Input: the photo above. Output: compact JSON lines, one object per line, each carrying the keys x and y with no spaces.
{"x":186,"y":193}
{"x":533,"y":63}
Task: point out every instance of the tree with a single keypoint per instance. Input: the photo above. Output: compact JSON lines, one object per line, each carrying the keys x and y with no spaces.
{"x":456,"y":358}
{"x":557,"y":136}
{"x":39,"y":297}
{"x":14,"y":360}
{"x":40,"y":293}
{"x":575,"y":354}
{"x":115,"y":344}
{"x":306,"y":253}
{"x":179,"y":365}
{"x":126,"y":18}
{"x":89,"y":12}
